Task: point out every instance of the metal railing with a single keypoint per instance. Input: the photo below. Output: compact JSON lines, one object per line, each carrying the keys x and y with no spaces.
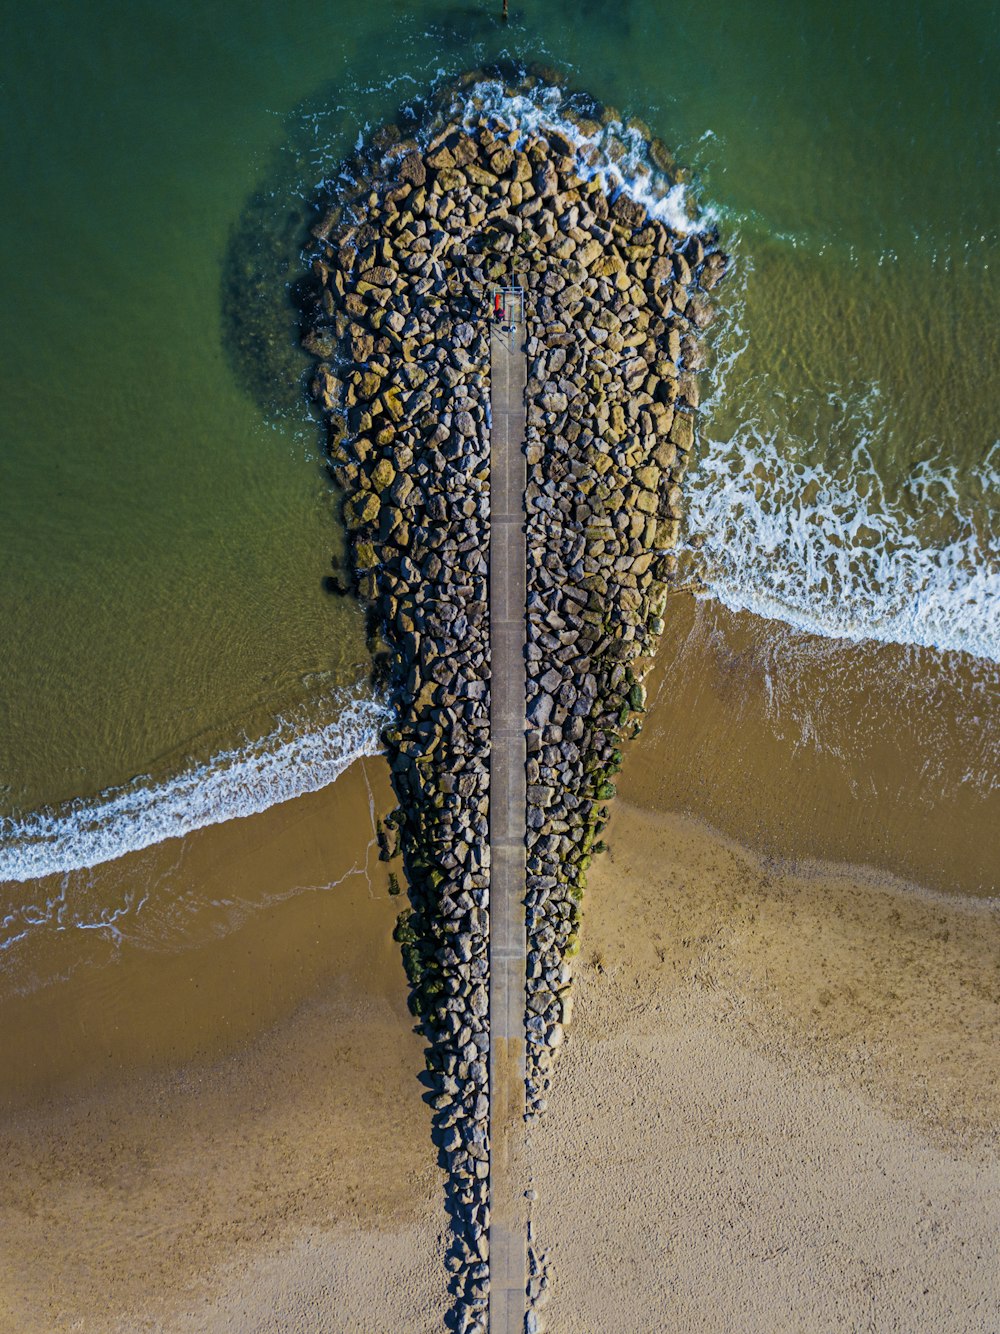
{"x":508,"y":308}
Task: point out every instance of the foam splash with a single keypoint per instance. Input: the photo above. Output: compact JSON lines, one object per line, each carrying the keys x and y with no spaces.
{"x":615,"y":153}
{"x":834,"y":555}
{"x":289,"y":762}
{"x":799,"y":525}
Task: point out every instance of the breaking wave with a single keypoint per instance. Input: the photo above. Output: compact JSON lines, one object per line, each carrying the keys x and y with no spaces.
{"x":835,"y":555}
{"x":798,"y":523}
{"x":614,"y":152}
{"x":288,"y":762}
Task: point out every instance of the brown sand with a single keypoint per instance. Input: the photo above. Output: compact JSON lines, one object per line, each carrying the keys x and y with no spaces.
{"x":243,"y":922}
{"x":230,"y":1136}
{"x":778,"y":1106}
{"x":776,"y":1109}
{"x":290,"y":1188}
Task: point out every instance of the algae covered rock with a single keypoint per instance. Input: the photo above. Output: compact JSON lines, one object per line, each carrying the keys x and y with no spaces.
{"x":382,"y":475}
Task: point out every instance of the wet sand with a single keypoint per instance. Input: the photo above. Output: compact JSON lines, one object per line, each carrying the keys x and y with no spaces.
{"x":230,"y":1135}
{"x":804,"y":747}
{"x":240,"y":923}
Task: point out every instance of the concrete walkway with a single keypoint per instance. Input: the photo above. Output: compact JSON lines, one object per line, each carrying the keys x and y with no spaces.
{"x":508,"y":637}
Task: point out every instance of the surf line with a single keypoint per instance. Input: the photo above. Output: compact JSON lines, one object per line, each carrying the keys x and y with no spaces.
{"x":234,"y":784}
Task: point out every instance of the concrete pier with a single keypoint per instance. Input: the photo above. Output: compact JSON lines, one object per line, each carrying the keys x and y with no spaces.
{"x":508,"y":754}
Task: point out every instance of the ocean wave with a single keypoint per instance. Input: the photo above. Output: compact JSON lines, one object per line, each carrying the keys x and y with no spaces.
{"x":796,"y":521}
{"x":835,"y":555}
{"x":615,"y":152}
{"x":288,"y":762}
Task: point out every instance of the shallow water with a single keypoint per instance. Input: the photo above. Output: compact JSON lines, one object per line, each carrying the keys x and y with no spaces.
{"x":803,"y":747}
{"x":165,"y":522}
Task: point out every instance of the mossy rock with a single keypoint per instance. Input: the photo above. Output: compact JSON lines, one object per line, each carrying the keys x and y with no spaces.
{"x":364,"y":554}
{"x":383,"y":475}
{"x":361,"y":510}
{"x":403,"y":932}
{"x":392,"y":400}
{"x":368,"y":586}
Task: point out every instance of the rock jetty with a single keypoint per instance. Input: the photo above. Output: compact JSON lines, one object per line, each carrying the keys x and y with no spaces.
{"x":465,"y":196}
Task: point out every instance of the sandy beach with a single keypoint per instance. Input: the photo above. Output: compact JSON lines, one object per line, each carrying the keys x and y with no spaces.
{"x":777,"y":1108}
{"x":783,"y":1079}
{"x":231,"y":1135}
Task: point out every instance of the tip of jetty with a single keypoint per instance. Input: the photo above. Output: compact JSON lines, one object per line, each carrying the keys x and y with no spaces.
{"x":498,"y":189}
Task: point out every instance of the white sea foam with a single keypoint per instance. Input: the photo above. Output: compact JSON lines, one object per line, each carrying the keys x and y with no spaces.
{"x":835,"y":555}
{"x":289,"y":762}
{"x":827,"y":547}
{"x":616,"y":154}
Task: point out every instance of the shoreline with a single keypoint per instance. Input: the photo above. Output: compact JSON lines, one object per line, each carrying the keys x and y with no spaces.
{"x":334,"y":1121}
{"x":826,"y":973}
{"x":196,"y":869}
{"x":712,"y":676}
{"x":863,"y":755}
{"x":716,"y":672}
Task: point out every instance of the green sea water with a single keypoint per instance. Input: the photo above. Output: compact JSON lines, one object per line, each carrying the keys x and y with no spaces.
{"x":165,"y":524}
